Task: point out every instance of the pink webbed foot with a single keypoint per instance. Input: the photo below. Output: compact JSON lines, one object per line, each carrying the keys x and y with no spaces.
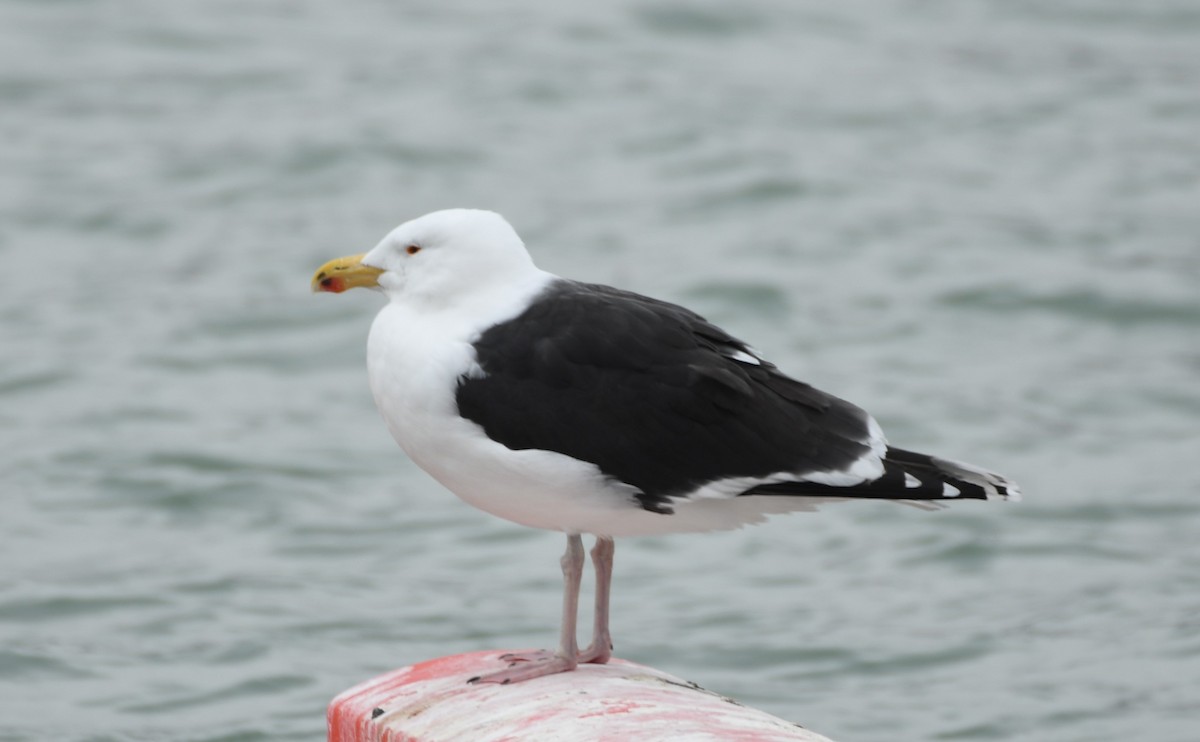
{"x":524,"y":666}
{"x":598,"y":653}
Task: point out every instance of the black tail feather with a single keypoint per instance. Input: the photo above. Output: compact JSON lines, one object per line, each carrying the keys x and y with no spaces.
{"x":908,"y":475}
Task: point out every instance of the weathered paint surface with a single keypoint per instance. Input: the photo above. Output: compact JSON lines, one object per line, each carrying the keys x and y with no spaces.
{"x":432,"y":702}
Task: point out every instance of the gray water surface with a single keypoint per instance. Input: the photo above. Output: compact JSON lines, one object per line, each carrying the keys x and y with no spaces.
{"x":979,"y":220}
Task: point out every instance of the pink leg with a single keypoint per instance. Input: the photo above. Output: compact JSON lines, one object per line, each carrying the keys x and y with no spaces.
{"x":600,"y":650}
{"x":536,"y":664}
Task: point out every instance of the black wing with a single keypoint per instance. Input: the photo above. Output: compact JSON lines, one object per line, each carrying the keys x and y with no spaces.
{"x":652,"y":394}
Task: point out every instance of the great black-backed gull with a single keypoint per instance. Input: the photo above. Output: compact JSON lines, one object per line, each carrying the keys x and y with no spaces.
{"x":587,"y":409}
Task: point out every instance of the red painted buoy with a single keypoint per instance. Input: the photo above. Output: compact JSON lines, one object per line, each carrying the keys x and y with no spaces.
{"x":432,"y":702}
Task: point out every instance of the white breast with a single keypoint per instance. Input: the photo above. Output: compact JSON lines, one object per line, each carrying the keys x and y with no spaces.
{"x":414,"y":360}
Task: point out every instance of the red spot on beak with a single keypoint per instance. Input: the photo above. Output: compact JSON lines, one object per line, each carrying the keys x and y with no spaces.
{"x":336,"y":284}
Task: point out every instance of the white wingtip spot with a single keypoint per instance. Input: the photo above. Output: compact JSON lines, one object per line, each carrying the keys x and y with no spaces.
{"x":991,"y":482}
{"x":910,"y":481}
{"x":949,"y":490}
{"x":744,"y":357}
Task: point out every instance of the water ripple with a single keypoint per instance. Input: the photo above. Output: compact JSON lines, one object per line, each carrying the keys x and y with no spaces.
{"x":1081,"y":303}
{"x":264,"y":686}
{"x":39,"y":610}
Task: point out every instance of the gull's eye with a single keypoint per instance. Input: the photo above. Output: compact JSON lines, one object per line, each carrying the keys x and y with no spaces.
{"x":412,"y":249}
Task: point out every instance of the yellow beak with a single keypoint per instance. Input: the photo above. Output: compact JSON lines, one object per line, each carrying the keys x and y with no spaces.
{"x":345,"y":273}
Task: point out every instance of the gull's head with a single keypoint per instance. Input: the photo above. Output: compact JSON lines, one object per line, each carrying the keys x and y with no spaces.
{"x":436,"y":256}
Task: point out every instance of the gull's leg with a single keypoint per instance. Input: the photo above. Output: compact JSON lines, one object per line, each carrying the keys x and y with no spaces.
{"x":572,"y":569}
{"x":600,"y":650}
{"x":526,"y":666}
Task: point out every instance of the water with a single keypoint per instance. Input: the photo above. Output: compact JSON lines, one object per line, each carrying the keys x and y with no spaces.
{"x":977,"y":219}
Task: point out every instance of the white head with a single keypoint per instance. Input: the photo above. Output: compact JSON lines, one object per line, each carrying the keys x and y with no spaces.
{"x":435,"y":259}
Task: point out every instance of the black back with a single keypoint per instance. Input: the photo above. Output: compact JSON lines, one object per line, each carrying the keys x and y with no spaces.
{"x":651,"y":393}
